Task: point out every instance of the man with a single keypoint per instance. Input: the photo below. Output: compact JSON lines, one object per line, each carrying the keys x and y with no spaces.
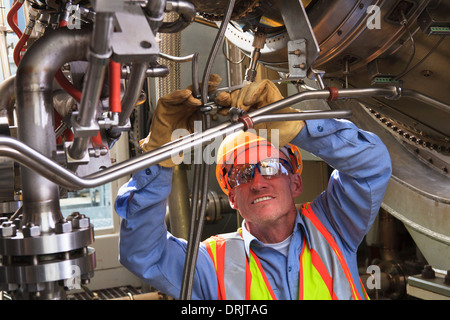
{"x":281,"y":251}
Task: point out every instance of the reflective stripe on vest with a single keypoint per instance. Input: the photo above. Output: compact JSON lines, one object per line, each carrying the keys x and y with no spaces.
{"x":323,"y":272}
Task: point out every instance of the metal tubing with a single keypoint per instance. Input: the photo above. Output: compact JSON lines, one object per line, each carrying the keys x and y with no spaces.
{"x":176,"y":59}
{"x":197,"y":226}
{"x":324,"y":94}
{"x":178,"y":203}
{"x":186,"y":11}
{"x":215,"y":48}
{"x":6,"y":97}
{"x":38,"y":162}
{"x":426,"y":99}
{"x":155,"y":14}
{"x":98,"y":58}
{"x":134,"y":86}
{"x":34,"y":89}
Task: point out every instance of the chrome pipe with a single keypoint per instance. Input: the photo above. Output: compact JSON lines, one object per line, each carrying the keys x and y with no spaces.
{"x":38,"y":162}
{"x":6,"y":97}
{"x":98,"y":57}
{"x":34,"y":89}
{"x":155,"y":14}
{"x":426,"y":99}
{"x":186,"y":11}
{"x":324,"y":94}
{"x":176,"y":59}
{"x":305,"y":115}
{"x":134,"y":86}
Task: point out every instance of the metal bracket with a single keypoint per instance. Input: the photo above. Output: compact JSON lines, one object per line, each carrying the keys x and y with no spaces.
{"x":302,"y":37}
{"x":129,"y":45}
{"x":81,"y":131}
{"x":69,"y":159}
{"x":297,"y":58}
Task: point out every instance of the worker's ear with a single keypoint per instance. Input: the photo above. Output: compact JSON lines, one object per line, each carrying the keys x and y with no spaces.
{"x":232,"y":199}
{"x":296,"y":185}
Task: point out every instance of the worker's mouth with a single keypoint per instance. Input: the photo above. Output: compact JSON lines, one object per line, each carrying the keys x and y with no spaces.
{"x":261,"y":199}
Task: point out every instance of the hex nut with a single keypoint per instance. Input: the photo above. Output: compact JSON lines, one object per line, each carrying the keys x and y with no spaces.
{"x":7,"y":229}
{"x":17,"y":222}
{"x":63,"y":226}
{"x":31,"y":230}
{"x":72,"y":216}
{"x":81,"y":221}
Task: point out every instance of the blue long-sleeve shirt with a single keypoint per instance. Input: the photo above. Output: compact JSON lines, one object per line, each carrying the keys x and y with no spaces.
{"x":347,"y":208}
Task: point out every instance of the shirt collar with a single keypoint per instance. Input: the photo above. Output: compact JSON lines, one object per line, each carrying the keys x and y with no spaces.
{"x":249,"y":238}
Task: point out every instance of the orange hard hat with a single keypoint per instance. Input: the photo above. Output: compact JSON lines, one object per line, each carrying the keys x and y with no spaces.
{"x":246,"y":147}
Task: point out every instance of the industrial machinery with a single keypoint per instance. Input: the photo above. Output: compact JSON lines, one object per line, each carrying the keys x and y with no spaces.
{"x":81,"y":69}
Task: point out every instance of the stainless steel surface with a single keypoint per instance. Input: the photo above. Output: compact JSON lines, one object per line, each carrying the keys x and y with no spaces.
{"x":34,"y":82}
{"x":134,"y":88}
{"x":299,"y":32}
{"x":99,"y":53}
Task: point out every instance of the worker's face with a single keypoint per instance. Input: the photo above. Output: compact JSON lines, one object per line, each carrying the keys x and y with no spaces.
{"x":266,"y":201}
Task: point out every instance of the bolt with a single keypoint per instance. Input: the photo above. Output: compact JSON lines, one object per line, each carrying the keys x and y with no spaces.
{"x":7,"y":229}
{"x":17,"y":221}
{"x":427,"y":73}
{"x":72,"y":216}
{"x":63,"y":226}
{"x":447,"y":278}
{"x":300,"y":66}
{"x":296,"y":52}
{"x":428,"y":272}
{"x":80,"y":222}
{"x":31,"y":230}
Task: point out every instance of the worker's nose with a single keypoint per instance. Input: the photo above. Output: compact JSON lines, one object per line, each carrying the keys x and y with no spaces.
{"x":258,"y":181}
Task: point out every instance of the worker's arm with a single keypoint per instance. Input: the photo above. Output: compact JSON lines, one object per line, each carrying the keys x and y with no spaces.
{"x":146,"y":247}
{"x":356,"y":189}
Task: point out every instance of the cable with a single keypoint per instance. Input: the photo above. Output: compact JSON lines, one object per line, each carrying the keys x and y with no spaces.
{"x":404,"y":23}
{"x":197,"y":219}
{"x":424,"y":58}
{"x":228,"y":58}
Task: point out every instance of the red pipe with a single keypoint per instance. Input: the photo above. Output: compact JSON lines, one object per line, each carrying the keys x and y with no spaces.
{"x":18,"y":48}
{"x":97,"y":141}
{"x":76,"y":94}
{"x":114,"y":86}
{"x":67,"y":86}
{"x":12,"y":18}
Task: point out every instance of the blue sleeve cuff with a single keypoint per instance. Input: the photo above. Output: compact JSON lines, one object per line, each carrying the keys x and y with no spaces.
{"x":141,"y":182}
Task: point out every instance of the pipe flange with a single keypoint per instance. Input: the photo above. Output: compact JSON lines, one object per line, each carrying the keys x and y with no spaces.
{"x":21,"y":245}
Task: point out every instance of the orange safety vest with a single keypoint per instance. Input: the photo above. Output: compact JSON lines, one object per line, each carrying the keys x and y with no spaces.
{"x":323,"y":272}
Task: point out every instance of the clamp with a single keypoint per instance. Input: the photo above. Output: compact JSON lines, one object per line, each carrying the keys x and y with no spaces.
{"x":238,"y":115}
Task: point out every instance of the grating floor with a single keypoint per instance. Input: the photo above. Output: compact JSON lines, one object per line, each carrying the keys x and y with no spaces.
{"x":104,"y":294}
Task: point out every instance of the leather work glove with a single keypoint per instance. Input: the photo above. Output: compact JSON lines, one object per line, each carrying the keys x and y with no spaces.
{"x":257,"y":95}
{"x":176,"y":110}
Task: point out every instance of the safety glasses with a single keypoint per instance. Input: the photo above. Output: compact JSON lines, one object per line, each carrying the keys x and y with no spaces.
{"x":270,"y":168}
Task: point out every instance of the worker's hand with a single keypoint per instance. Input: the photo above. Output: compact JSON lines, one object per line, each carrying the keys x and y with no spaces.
{"x":257,"y":95}
{"x":177,"y":110}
